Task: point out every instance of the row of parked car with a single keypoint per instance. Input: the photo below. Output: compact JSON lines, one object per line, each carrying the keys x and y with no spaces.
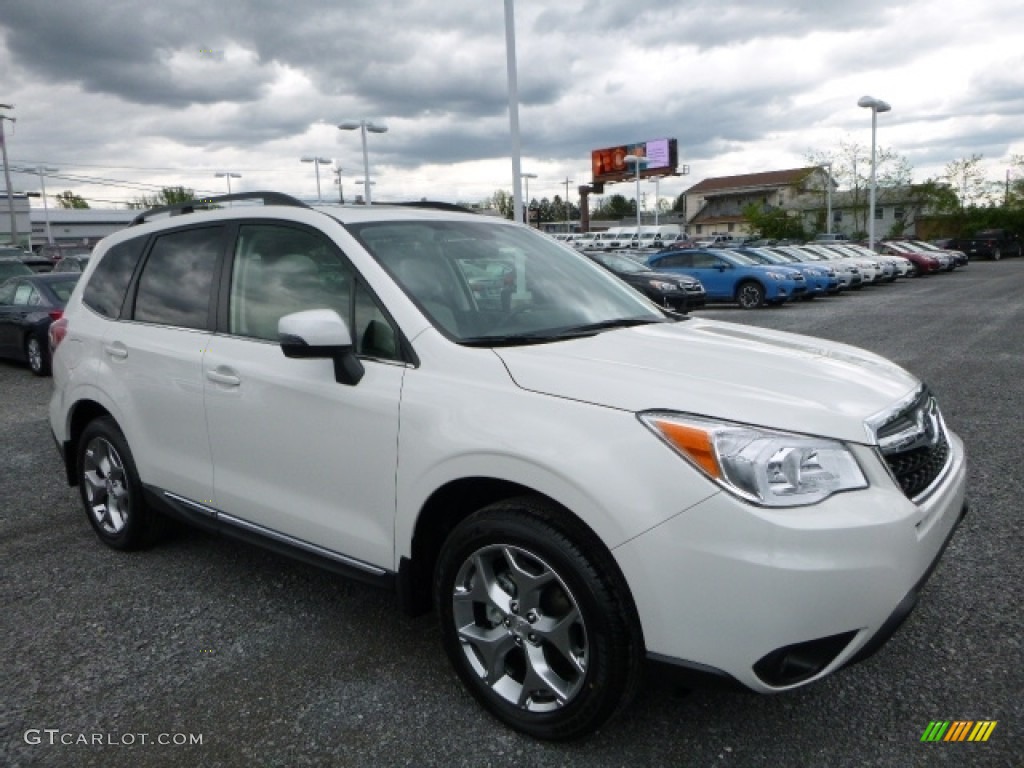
{"x":755,"y":276}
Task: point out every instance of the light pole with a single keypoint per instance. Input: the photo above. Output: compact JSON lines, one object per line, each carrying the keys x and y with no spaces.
{"x":317,"y":162}
{"x":657,"y":197}
{"x":363,"y":182}
{"x":42,"y":170}
{"x":364,"y":126}
{"x":876,"y":106}
{"x":513,"y":109}
{"x":7,"y":175}
{"x":526,"y":203}
{"x":828,"y":197}
{"x":636,"y":160}
{"x":568,"y":217}
{"x":229,"y":176}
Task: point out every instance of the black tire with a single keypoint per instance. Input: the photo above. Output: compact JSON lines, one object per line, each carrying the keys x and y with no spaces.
{"x":111,"y":490}
{"x":997,"y":254}
{"x":517,"y":581}
{"x":750,"y":295}
{"x":38,"y":355}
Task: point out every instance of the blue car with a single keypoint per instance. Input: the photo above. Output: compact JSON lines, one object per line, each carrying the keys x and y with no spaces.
{"x":728,"y":275}
{"x":821,"y":278}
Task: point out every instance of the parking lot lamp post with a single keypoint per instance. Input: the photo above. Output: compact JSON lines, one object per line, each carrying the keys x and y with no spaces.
{"x":876,"y":106}
{"x":7,"y":175}
{"x":526,"y":201}
{"x":364,"y":126}
{"x":229,"y":176}
{"x":636,"y":160}
{"x":42,"y":170}
{"x":317,"y":162}
{"x":657,"y":195}
{"x":827,"y":167}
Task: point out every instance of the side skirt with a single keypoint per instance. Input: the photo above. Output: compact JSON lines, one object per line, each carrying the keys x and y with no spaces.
{"x":214,"y":521}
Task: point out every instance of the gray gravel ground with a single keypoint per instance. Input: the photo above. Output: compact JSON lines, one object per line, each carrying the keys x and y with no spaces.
{"x":272,"y":663}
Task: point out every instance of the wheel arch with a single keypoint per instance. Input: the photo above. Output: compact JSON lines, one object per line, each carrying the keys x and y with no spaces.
{"x":83,"y":413}
{"x":452,"y":503}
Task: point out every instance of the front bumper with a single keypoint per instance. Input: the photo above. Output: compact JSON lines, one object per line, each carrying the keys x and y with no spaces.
{"x":773,"y":599}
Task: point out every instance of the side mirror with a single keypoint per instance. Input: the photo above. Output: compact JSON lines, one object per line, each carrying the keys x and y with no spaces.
{"x":320,"y":333}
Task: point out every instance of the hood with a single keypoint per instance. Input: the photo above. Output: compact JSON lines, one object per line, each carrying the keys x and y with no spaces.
{"x":721,"y":370}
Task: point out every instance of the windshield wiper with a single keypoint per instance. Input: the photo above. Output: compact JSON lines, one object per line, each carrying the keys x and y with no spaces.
{"x":546,"y":336}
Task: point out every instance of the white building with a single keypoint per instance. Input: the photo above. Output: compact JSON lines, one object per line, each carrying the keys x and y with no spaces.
{"x":21,"y":219}
{"x":78,"y":226}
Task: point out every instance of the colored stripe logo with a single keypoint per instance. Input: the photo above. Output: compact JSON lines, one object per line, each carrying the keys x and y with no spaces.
{"x":959,"y":730}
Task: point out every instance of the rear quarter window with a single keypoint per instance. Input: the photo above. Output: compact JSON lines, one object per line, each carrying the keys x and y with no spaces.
{"x":109,"y":282}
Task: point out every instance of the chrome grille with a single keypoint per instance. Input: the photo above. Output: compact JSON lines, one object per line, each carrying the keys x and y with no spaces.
{"x":914,"y":445}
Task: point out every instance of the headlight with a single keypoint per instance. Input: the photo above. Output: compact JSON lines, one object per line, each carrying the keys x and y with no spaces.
{"x":660,"y":285}
{"x":773,"y":469}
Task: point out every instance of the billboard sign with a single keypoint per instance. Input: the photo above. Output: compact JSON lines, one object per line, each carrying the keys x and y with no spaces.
{"x":610,"y":164}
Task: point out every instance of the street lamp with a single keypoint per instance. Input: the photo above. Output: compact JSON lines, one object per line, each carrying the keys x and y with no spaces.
{"x":364,"y":126}
{"x":828,"y":197}
{"x":42,"y":170}
{"x":526,"y":177}
{"x":317,"y":162}
{"x":657,"y":196}
{"x":229,"y":176}
{"x":7,"y":175}
{"x":363,"y":182}
{"x":636,"y":160}
{"x":876,"y":106}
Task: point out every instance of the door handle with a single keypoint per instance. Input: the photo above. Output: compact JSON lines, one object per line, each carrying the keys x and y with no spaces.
{"x":117,"y":349}
{"x":227,"y":379}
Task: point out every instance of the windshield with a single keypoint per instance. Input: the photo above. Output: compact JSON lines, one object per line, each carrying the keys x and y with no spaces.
{"x":619,"y":263}
{"x":487,"y":283}
{"x":739,"y":258}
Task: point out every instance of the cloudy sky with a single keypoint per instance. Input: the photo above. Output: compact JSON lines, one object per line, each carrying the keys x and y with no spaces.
{"x":135,"y":95}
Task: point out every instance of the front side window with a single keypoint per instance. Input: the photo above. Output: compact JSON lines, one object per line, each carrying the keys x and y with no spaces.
{"x":176,"y":284}
{"x":279,"y":269}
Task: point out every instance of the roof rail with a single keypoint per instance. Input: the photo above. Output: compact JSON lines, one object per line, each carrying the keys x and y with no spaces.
{"x":205,"y":203}
{"x":433,"y":204}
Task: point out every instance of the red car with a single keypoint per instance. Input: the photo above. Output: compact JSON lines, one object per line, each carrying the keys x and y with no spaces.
{"x":924,"y":263}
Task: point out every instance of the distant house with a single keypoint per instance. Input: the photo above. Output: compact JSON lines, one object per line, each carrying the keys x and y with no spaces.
{"x":715,"y":206}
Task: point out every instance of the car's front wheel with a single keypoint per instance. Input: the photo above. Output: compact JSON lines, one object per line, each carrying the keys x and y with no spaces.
{"x":536,"y":620}
{"x":750,"y":295}
{"x":111,"y":489}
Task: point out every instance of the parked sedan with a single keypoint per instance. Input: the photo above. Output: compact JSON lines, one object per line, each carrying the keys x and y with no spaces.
{"x":905,"y":248}
{"x":924,"y":263}
{"x":674,"y":291}
{"x":13,"y":268}
{"x":28,"y":305}
{"x":730,"y":276}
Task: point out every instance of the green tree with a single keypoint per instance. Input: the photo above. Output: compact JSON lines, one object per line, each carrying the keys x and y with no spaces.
{"x":615,"y":207}
{"x":166,"y":196}
{"x":967,"y":179}
{"x":504,"y":203}
{"x":68,"y":199}
{"x":774,"y":223}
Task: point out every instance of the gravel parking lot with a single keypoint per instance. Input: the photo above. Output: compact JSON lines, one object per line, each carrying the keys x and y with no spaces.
{"x":105,"y":656}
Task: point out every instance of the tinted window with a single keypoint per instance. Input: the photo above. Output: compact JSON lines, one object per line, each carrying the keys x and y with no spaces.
{"x":109,"y":281}
{"x":177,"y":278}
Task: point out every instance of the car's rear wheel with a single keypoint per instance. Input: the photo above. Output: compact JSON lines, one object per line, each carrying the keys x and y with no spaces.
{"x":996,"y":254}
{"x":111,"y":490}
{"x":37,"y":355}
{"x":750,"y":295}
{"x":536,"y":620}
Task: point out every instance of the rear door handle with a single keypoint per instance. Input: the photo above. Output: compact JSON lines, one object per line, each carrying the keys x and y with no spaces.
{"x":117,"y":349}
{"x":227,"y":379}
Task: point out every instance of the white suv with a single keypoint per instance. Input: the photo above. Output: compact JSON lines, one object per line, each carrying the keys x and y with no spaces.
{"x":462,"y":410}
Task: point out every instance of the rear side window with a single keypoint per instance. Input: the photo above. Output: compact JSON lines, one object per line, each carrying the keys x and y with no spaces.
{"x":109,"y":281}
{"x":177,"y":279}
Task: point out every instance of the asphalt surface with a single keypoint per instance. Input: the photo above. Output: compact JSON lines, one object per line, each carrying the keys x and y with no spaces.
{"x":269,"y":662}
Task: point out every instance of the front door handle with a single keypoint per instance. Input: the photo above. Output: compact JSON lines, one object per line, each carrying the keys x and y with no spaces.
{"x":226,"y":379}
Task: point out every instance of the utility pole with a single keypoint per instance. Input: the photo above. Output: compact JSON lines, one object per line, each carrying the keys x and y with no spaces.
{"x":341,"y":189}
{"x":568,"y":211}
{"x":7,"y":176}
